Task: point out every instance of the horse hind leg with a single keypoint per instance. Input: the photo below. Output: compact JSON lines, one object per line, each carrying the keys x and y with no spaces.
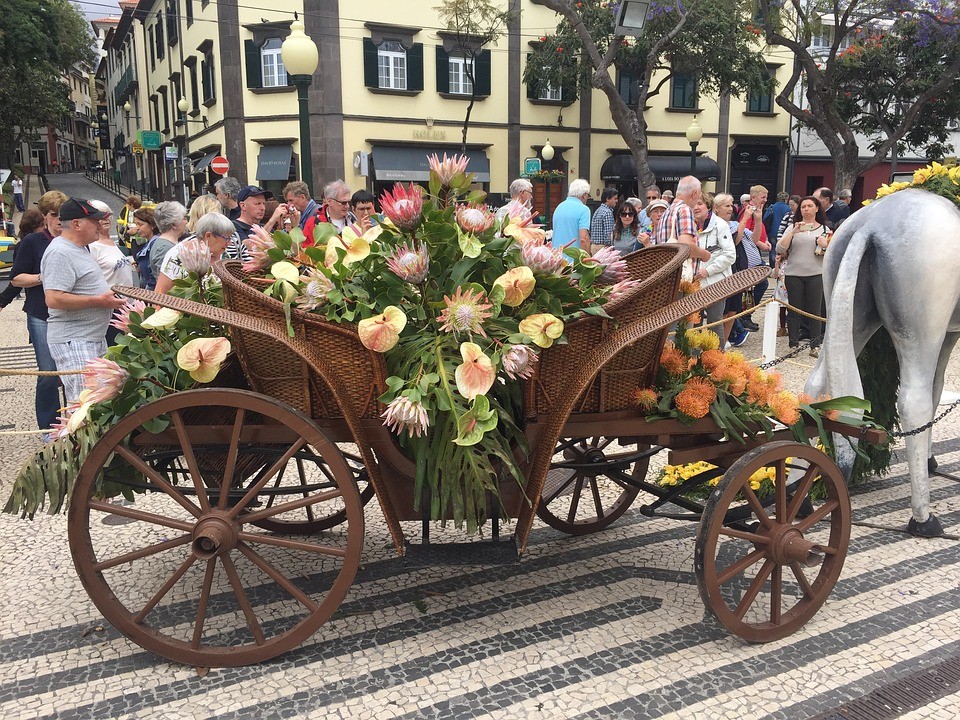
{"x":948,"y":344}
{"x":918,"y":367}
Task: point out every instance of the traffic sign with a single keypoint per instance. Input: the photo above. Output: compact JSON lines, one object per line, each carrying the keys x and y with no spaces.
{"x":4,"y":174}
{"x":150,"y":139}
{"x":220,"y":165}
{"x":531,"y":166}
{"x":136,"y":147}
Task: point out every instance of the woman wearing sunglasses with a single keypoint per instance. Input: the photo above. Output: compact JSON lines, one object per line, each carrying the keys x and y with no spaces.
{"x":626,"y":231}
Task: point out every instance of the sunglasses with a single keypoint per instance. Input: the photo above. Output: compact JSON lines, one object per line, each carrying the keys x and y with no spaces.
{"x":628,"y":214}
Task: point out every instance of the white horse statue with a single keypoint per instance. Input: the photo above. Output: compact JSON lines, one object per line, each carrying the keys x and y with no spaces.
{"x":895,"y":263}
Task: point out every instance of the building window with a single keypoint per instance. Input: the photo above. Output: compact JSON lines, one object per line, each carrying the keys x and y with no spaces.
{"x":628,"y":87}
{"x":173,"y":21}
{"x":191,"y":65}
{"x":271,"y":64}
{"x":548,"y":92}
{"x":683,"y":92}
{"x":207,"y":78}
{"x":460,"y":72}
{"x":392,"y":66}
{"x":153,"y":55}
{"x":188,"y":11}
{"x":762,"y":101}
{"x":159,"y":36}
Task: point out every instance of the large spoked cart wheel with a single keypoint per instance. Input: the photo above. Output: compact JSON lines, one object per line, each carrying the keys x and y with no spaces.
{"x":591,"y":482}
{"x":190,"y":573}
{"x":766,"y":564}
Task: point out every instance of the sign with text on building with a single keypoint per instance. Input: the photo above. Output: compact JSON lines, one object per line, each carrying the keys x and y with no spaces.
{"x":150,"y":139}
{"x":220,"y":165}
{"x":531,"y":166}
{"x":170,"y":153}
{"x":136,"y":147}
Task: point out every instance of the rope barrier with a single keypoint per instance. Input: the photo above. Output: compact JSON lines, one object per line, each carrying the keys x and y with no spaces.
{"x":40,"y":373}
{"x":24,"y":432}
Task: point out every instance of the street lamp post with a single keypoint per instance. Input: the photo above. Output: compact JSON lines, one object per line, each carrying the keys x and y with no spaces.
{"x":694,"y":135}
{"x":300,"y":58}
{"x":546,"y":152}
{"x":128,"y":109}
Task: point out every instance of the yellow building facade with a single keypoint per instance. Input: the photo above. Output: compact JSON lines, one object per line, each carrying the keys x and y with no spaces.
{"x":391,"y":88}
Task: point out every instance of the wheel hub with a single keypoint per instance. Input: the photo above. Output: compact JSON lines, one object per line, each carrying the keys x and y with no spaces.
{"x":215,"y":534}
{"x":787,"y":545}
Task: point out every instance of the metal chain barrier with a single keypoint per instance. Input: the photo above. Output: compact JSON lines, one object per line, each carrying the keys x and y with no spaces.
{"x":916,"y":431}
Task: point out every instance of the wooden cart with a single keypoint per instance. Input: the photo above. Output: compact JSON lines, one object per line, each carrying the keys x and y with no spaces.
{"x":248,"y":526}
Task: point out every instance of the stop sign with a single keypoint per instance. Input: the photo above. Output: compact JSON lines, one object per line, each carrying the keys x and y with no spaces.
{"x":220,"y":165}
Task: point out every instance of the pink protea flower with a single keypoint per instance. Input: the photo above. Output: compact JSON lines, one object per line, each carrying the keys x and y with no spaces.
{"x":544,"y":259}
{"x":475,"y":219}
{"x":381,"y":332}
{"x":519,"y":361}
{"x":448,"y":168}
{"x":404,"y":414}
{"x":257,"y":244}
{"x":614,"y":267}
{"x":195,"y":257}
{"x":104,"y":379}
{"x":404,"y":207}
{"x":622,"y":288}
{"x":410,"y":263}
{"x":465,"y":312}
{"x":316,"y":285}
{"x":121,"y":317}
{"x":476,"y":375}
{"x":517,"y":284}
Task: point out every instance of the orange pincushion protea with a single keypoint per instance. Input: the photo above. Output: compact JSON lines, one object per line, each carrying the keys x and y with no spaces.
{"x":784,"y":407}
{"x":689,"y":286}
{"x":805,"y":398}
{"x":693,"y":318}
{"x":703,"y":388}
{"x":673,"y":360}
{"x":646,"y":398}
{"x":712,"y":359}
{"x":691,"y":403}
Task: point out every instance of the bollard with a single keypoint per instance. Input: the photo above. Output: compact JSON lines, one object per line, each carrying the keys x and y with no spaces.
{"x":771,"y":321}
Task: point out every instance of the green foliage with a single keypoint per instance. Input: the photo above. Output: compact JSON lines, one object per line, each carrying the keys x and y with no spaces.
{"x":880,"y":388}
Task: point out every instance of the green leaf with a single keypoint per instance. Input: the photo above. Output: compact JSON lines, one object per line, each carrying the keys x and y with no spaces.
{"x":473,"y":424}
{"x":470,"y":246}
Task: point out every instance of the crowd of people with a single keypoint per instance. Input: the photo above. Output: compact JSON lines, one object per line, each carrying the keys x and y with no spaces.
{"x":67,"y":261}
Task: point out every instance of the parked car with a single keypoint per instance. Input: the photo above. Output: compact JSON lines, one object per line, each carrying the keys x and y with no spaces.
{"x":96,"y":166}
{"x":6,"y":251}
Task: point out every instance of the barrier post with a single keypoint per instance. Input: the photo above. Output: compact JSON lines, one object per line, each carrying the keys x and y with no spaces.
{"x":771,"y":322}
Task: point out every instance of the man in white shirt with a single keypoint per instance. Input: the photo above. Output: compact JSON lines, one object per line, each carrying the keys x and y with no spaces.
{"x":17,"y":184}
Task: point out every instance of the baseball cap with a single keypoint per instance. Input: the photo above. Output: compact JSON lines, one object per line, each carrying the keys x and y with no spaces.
{"x":74,"y":209}
{"x":249,"y":191}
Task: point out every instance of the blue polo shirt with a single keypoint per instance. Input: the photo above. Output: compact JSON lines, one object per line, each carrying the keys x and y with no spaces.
{"x":570,"y":217}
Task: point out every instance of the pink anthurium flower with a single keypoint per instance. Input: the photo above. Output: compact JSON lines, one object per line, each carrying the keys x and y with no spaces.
{"x":476,"y":375}
{"x":202,"y":357}
{"x":517,"y":284}
{"x":542,"y":328}
{"x":381,"y":332}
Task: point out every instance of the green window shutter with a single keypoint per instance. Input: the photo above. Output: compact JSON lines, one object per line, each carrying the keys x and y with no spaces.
{"x":443,"y":70}
{"x":254,"y":71}
{"x":415,"y":67}
{"x":481,"y":73}
{"x":533,"y":92}
{"x":371,"y":73}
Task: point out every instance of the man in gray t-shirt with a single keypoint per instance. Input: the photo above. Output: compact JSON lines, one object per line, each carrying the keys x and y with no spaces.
{"x":77,"y":295}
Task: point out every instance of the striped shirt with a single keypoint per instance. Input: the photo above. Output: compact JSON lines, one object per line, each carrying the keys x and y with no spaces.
{"x":676,"y":221}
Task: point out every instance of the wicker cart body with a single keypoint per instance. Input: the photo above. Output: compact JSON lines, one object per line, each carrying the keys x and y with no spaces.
{"x":320,"y":389}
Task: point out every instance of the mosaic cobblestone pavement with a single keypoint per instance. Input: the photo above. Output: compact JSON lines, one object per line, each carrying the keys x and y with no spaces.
{"x":603,"y":626}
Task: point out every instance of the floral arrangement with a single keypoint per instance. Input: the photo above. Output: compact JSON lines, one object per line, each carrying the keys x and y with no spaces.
{"x":761,"y":482}
{"x":548,"y":175}
{"x":696,"y":380}
{"x":159,"y":352}
{"x":936,"y":178}
{"x":460,"y":305}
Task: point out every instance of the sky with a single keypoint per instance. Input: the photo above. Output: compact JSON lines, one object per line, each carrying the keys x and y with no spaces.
{"x":93,"y":9}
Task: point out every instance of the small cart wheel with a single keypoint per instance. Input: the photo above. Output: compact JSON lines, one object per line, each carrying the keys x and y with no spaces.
{"x":587,"y":486}
{"x":191,"y":578}
{"x":765,"y":576}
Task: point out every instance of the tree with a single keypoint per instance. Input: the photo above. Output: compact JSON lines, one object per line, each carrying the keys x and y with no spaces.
{"x":39,"y":40}
{"x":884,"y":68}
{"x":471,"y":25}
{"x":707,"y":39}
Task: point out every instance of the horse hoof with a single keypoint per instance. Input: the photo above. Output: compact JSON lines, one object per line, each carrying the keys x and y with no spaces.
{"x":932,"y":464}
{"x":929,"y":529}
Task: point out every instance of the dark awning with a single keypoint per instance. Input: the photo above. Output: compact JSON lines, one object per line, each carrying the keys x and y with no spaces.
{"x":668,"y":168}
{"x":273,"y":162}
{"x":202,"y":163}
{"x":409,"y":162}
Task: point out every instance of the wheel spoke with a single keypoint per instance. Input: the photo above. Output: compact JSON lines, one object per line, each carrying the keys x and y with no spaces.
{"x":817,"y":515}
{"x":231,"y":464}
{"x":306,"y":501}
{"x":606,"y":442}
{"x":776,"y":594}
{"x":191,"y":459}
{"x":754,"y":589}
{"x":756,"y":506}
{"x":565,"y":444}
{"x":731,"y":571}
{"x":743,"y":535}
{"x":275,"y":468}
{"x":575,"y":500}
{"x":563,"y":486}
{"x":803,"y":489}
{"x":155,"y":477}
{"x":780,"y":491}
{"x":303,"y":483}
{"x":598,"y":503}
{"x":278,"y":577}
{"x":242,"y":599}
{"x":802,"y":579}
{"x":130,"y":512}
{"x":202,"y":605}
{"x":292,"y":544}
{"x":142,"y":553}
{"x":165,"y":588}
{"x":275,"y":486}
